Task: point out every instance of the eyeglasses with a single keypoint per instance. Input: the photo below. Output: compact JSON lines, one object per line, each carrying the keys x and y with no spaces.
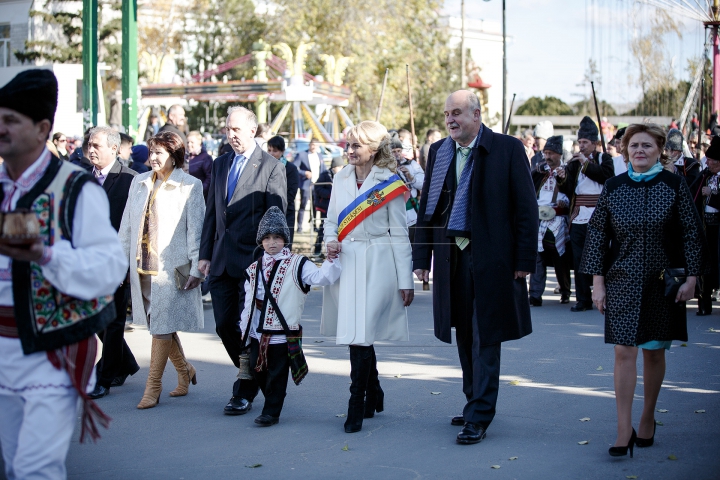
{"x":63,"y":140}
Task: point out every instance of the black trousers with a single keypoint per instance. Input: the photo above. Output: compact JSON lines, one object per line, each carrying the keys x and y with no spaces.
{"x":583,"y":281}
{"x":550,"y":255}
{"x":710,"y":282}
{"x":228,"y":298}
{"x":480,"y":363}
{"x":116,"y":359}
{"x":320,"y":234}
{"x":273,"y":381}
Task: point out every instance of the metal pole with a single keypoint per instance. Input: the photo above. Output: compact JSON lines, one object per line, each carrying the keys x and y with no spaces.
{"x":698,"y":151}
{"x":129,"y":67}
{"x":507,"y":125}
{"x":597,"y":112}
{"x":716,"y":71}
{"x":463,"y":79}
{"x":382,"y":96}
{"x":504,"y":107}
{"x":412,"y":114}
{"x":90,"y":61}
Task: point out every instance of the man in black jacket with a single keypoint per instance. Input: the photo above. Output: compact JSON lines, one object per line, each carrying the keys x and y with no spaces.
{"x":117,"y":361}
{"x":276,"y":148}
{"x":243,"y":186}
{"x":582,"y":181}
{"x":686,"y":167}
{"x":176,"y":122}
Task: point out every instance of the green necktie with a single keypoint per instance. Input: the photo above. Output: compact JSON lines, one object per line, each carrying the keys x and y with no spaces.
{"x":462,"y":242}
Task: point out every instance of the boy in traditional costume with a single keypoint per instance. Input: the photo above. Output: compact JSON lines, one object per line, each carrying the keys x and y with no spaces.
{"x":275,"y":292}
{"x":56,"y":291}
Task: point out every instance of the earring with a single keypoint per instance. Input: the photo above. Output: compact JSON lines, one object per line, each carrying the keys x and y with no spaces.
{"x":173,"y":163}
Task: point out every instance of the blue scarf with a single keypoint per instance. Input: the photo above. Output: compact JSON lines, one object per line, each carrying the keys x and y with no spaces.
{"x":644,"y":176}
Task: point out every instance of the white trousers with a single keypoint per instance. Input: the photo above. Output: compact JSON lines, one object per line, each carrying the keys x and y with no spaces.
{"x":38,"y":413}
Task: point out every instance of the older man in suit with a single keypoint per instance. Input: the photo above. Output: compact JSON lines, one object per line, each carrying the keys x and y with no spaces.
{"x":310,"y":165}
{"x":244,"y":184}
{"x":117,"y":361}
{"x":478,"y":219}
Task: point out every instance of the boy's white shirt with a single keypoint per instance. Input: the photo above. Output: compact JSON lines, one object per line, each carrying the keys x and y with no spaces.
{"x":327,"y":274}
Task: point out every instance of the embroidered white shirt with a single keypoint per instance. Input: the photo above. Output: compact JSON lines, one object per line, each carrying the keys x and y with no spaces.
{"x":586,"y":186}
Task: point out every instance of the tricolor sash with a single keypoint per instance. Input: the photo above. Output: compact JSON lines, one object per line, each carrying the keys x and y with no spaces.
{"x":367,"y":203}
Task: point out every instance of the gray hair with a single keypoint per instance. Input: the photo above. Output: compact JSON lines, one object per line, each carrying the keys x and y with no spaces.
{"x":113,"y":136}
{"x":247,"y":115}
{"x":174,"y":107}
{"x":474,"y":102}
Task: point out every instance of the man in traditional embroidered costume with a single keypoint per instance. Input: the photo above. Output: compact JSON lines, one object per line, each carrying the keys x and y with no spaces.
{"x":585,"y":175}
{"x":553,"y":232}
{"x":478,"y":225}
{"x":686,"y":167}
{"x":54,"y":295}
{"x":543,"y":130}
{"x":275,"y":331}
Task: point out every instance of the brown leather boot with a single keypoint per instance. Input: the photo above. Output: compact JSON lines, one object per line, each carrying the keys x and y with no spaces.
{"x":158,"y":359}
{"x":185,"y":370}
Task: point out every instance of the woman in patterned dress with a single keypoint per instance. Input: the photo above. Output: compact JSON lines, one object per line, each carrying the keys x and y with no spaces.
{"x":645,"y":221}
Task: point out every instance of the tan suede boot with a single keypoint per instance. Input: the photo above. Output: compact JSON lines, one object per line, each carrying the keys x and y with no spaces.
{"x":158,"y":359}
{"x":185,"y":370}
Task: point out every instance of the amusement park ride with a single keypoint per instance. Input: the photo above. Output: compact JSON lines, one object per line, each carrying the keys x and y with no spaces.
{"x":279,"y":80}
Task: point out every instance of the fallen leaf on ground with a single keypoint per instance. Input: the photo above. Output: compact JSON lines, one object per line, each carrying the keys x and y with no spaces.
{"x":630,"y":476}
{"x":345,"y":448}
{"x":513,"y":458}
{"x":495,"y":466}
{"x":398,"y":376}
{"x":683,"y":344}
{"x":658,"y":422}
{"x":435,"y":393}
{"x":672,"y":457}
{"x":713,"y":330}
{"x":255,"y":465}
{"x":586,"y":419}
{"x":319,"y":341}
{"x":662,"y":410}
{"x":514,"y":382}
{"x":584,"y":442}
{"x":599,"y":368}
{"x":341,"y":415}
{"x":699,"y":411}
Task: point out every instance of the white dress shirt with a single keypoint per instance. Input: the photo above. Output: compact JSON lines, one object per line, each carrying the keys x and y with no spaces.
{"x":314,"y":160}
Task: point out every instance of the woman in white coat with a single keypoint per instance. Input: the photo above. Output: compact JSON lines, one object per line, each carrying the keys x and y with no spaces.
{"x":366,"y":225}
{"x":160,"y":232}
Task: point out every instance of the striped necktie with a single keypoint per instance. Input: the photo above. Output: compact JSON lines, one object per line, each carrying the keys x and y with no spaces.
{"x":461,"y":196}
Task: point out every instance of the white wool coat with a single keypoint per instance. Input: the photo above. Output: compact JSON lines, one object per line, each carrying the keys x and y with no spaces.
{"x":365,"y":306}
{"x":181,"y":211}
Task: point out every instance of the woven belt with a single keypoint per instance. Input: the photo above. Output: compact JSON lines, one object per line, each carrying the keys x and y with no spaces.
{"x":583,"y":201}
{"x":712,"y":218}
{"x":8,"y":326}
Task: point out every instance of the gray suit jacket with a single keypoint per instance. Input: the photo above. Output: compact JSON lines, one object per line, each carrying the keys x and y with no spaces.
{"x":230,"y":228}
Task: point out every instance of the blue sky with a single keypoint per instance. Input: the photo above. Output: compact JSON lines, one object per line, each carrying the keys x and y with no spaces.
{"x":552,"y":40}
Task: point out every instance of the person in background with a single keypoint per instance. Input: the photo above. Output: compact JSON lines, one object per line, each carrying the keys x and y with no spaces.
{"x":686,"y":167}
{"x":60,"y":141}
{"x":176,"y":122}
{"x":139,"y":157}
{"x":322,"y":192}
{"x":433,"y":135}
{"x":199,"y":161}
{"x":262,"y":135}
{"x":276,"y":148}
{"x":310,"y":165}
{"x":125,"y":151}
{"x":543,"y":131}
{"x":80,"y":155}
{"x":153,"y":126}
{"x":619,"y":161}
{"x":413,"y":176}
{"x":160,"y":233}
{"x":628,"y":250}
{"x":528,"y":141}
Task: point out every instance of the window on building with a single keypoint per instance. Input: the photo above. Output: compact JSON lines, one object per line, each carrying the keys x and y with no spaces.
{"x":5,"y":51}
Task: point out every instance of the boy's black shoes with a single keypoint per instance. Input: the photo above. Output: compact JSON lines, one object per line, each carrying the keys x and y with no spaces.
{"x":266,"y":420}
{"x":237,"y":406}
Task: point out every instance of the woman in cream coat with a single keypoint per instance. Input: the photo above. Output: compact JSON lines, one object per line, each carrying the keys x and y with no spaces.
{"x":160,"y":231}
{"x":368,"y":302}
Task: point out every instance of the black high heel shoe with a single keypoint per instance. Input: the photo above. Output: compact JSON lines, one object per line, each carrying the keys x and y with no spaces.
{"x":646,"y":442}
{"x":622,"y":451}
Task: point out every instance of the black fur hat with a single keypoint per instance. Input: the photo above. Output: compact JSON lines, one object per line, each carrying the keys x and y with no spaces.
{"x":273,"y":222}
{"x":33,"y":93}
{"x":554,"y":144}
{"x":588,"y":130}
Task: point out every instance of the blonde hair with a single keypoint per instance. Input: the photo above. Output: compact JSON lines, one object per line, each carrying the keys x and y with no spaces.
{"x":196,"y":134}
{"x":376,"y":137}
{"x":655,"y":131}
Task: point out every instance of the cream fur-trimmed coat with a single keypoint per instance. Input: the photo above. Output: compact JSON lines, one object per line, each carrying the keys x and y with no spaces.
{"x":181,"y":211}
{"x":365,"y":306}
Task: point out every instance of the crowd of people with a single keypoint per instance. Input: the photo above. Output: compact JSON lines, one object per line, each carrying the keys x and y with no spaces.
{"x":149,"y":224}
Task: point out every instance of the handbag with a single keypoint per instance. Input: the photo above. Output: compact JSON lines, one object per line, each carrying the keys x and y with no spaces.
{"x":182,"y":274}
{"x":674,"y":278}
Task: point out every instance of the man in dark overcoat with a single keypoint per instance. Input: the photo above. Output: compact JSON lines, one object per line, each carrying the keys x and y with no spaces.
{"x":244,"y":184}
{"x":478,"y":218}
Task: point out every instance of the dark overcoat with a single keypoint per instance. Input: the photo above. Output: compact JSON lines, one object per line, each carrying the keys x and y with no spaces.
{"x":504,"y":230}
{"x":230,"y":228}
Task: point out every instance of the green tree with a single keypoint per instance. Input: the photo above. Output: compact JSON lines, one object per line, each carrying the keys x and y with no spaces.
{"x":68,"y":24}
{"x":544,"y":106}
{"x":586,"y":106}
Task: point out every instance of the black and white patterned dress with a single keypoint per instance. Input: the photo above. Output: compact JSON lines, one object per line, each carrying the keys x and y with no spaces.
{"x":639,"y":229}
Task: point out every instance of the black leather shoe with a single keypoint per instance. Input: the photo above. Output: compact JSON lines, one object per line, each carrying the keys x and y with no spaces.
{"x":471,"y":433}
{"x":703,"y":311}
{"x":237,"y":406}
{"x":535,"y":302}
{"x":458,"y":421}
{"x":98,"y":392}
{"x":266,"y":420}
{"x":581,"y":307}
{"x":564,"y":299}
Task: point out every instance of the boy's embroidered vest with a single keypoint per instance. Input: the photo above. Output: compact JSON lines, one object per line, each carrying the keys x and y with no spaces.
{"x":47,"y":319}
{"x":288,"y":290}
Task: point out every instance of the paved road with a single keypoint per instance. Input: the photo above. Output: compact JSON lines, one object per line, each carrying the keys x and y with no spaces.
{"x":550,"y":380}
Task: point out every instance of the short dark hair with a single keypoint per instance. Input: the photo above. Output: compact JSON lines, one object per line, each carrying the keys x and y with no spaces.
{"x":126,"y":139}
{"x":431,"y":132}
{"x":314,"y":140}
{"x":171,"y":143}
{"x":277,"y":142}
{"x":57,"y":135}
